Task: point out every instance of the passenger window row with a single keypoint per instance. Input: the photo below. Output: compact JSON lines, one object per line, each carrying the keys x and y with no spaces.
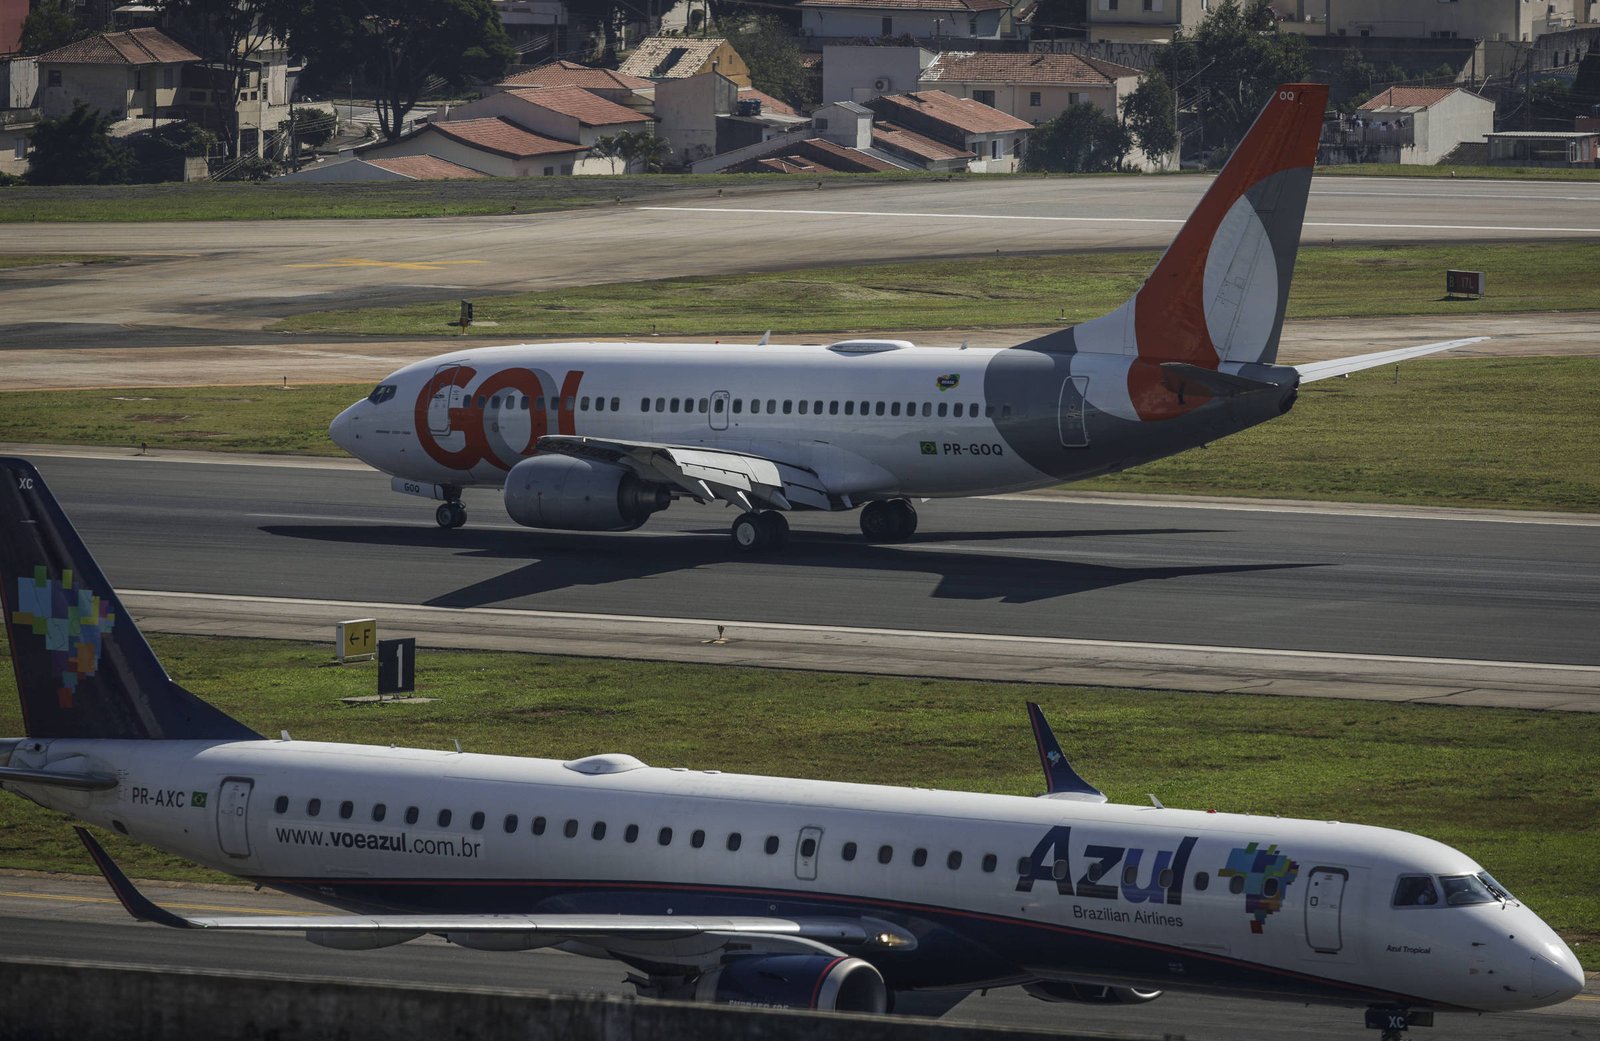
{"x":523,"y":403}
{"x":790,"y":406}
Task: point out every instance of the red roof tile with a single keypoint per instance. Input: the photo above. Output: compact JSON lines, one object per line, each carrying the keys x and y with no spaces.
{"x":911,"y":5}
{"x":589,"y":109}
{"x":899,"y":139}
{"x":768,"y":102}
{"x":963,"y":114}
{"x":571,"y":74}
{"x":502,"y":137}
{"x":815,"y":155}
{"x":986,"y":67}
{"x":425,"y":168}
{"x":133,"y":47}
{"x":1409,"y":97}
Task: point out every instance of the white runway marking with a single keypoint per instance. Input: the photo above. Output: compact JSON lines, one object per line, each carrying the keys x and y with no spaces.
{"x":1452,"y":196}
{"x":735,"y":210}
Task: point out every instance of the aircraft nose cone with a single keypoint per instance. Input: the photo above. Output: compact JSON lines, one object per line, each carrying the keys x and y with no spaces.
{"x":1556,"y":981}
{"x":342,"y":429}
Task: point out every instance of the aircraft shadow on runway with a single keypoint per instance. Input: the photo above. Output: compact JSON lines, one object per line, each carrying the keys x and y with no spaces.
{"x":569,"y":560}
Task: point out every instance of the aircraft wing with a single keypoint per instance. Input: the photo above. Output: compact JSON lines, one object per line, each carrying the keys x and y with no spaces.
{"x":748,"y":481}
{"x":684,"y":939}
{"x":1321,"y":370}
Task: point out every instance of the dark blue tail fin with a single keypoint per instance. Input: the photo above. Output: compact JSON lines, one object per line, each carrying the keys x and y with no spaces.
{"x":83,"y":668}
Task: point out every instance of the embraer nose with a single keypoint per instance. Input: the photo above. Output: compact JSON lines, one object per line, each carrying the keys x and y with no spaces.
{"x":343,"y":429}
{"x":1557,"y":980}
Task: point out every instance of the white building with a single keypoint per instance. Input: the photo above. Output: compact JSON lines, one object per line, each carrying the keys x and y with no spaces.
{"x":1410,"y":125}
{"x":852,"y":72}
{"x":934,"y":20}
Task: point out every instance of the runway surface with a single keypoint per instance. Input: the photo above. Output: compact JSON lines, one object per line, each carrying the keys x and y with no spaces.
{"x":77,"y":919}
{"x":204,"y":283}
{"x":1344,"y":581}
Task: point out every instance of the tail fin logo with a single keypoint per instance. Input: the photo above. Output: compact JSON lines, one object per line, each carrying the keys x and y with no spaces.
{"x":73,"y":623}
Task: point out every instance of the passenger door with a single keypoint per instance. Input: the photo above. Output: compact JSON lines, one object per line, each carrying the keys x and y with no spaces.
{"x":233,"y":817}
{"x":1324,"y":898}
{"x":719,"y":410}
{"x":806,"y":854}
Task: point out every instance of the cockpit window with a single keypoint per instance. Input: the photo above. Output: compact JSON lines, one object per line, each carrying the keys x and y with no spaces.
{"x":1415,"y":891}
{"x":1460,"y":890}
{"x":381,"y":393}
{"x":1500,"y":891}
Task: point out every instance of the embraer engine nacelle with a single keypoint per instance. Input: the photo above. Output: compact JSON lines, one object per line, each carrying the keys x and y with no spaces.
{"x":809,"y":981}
{"x":558,"y":491}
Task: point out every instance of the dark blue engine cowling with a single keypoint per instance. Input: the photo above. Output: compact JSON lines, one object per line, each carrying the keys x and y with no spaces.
{"x":809,"y":981}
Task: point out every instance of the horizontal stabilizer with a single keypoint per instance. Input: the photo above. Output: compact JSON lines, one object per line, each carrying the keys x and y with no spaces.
{"x":1321,"y":370}
{"x":1180,"y":376}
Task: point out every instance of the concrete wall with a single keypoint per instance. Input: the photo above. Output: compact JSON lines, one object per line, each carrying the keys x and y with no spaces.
{"x":120,"y":90}
{"x":687,"y":111}
{"x":42,"y":1001}
{"x":1466,"y":19}
{"x":1459,"y":117}
{"x":867,"y":23}
{"x":854,"y":73}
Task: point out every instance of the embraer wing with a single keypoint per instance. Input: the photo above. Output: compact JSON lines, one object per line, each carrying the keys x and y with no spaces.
{"x":688,"y":938}
{"x":747,"y":481}
{"x":1321,"y":370}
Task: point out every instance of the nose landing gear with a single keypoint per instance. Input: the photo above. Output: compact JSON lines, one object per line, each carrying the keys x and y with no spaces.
{"x":1393,"y":1022}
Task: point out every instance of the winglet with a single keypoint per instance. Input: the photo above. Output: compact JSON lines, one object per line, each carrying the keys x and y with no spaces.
{"x":1060,"y":779}
{"x":133,"y":901}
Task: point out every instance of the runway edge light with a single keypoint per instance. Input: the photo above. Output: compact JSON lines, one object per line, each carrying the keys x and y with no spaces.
{"x":356,"y":640}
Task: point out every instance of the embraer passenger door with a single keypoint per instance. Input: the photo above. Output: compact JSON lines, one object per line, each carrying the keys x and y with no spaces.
{"x":233,"y":817}
{"x":1324,"y":898}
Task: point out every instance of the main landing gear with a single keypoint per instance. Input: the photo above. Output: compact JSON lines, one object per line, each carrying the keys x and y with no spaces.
{"x":753,"y":532}
{"x":889,"y":520}
{"x":451,"y":514}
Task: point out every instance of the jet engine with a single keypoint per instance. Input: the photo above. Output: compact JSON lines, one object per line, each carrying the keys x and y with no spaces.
{"x":808,"y":981}
{"x":559,"y":491}
{"x":1089,"y":993}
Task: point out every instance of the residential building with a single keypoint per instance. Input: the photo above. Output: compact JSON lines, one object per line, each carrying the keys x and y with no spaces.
{"x":398,"y":168}
{"x":259,"y":87}
{"x":1410,"y":125}
{"x":491,"y":145}
{"x":1131,"y":21}
{"x":679,"y":57}
{"x":19,"y":84}
{"x":137,"y":74}
{"x":994,"y":138}
{"x":709,"y":114}
{"x":852,"y":72}
{"x":564,"y":113}
{"x":1558,"y":148}
{"x":815,"y":155}
{"x":534,"y":26}
{"x":926,"y":20}
{"x":1502,"y":20}
{"x":632,"y":91}
{"x":920,"y":150}
{"x":1034,"y":87}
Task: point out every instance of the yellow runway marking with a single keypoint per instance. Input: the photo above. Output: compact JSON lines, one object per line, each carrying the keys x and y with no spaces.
{"x":399,"y":265}
{"x":57,"y":898}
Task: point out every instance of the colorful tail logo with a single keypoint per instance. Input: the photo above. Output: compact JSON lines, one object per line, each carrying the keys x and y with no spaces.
{"x":73,"y":623}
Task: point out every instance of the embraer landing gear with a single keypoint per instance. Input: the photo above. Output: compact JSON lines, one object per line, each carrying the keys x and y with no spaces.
{"x":1392,"y":1023}
{"x":450,"y":515}
{"x":891,"y":520}
{"x":753,"y":532}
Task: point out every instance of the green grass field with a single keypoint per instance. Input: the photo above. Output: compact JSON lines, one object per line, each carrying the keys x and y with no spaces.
{"x":1340,"y":281}
{"x":1519,"y":791}
{"x":1463,"y":171}
{"x":1513,"y":433}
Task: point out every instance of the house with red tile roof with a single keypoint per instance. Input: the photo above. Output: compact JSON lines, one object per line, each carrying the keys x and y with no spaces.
{"x":709,"y":114}
{"x":923,"y":20}
{"x":814,"y":155}
{"x":995,"y":139}
{"x":135,"y":74}
{"x":397,"y":168}
{"x":1410,"y":125}
{"x":491,"y":145}
{"x":633,"y":91}
{"x":1035,"y":87}
{"x":568,"y":113}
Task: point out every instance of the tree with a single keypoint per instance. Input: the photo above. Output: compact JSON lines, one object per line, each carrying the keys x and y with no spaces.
{"x":310,"y":127}
{"x":78,"y":149}
{"x":228,"y":35}
{"x":158,"y":154}
{"x":1231,"y":64}
{"x":1082,"y":139}
{"x":769,"y":48}
{"x":52,"y":24}
{"x":402,"y":45}
{"x":1149,"y":115}
{"x":632,"y":146}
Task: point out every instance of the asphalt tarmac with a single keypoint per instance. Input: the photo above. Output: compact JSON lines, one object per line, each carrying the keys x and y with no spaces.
{"x":77,"y":919}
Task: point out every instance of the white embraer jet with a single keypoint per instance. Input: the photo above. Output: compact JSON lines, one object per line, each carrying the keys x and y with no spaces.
{"x":597,"y":437}
{"x":729,"y":888}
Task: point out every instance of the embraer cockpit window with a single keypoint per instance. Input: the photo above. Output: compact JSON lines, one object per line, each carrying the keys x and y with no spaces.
{"x":381,"y":393}
{"x":1416,"y":891}
{"x":1495,"y":887}
{"x":1460,"y":890}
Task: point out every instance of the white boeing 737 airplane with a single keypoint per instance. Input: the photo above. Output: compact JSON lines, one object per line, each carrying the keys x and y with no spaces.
{"x":739,"y":889}
{"x":597,"y":437}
